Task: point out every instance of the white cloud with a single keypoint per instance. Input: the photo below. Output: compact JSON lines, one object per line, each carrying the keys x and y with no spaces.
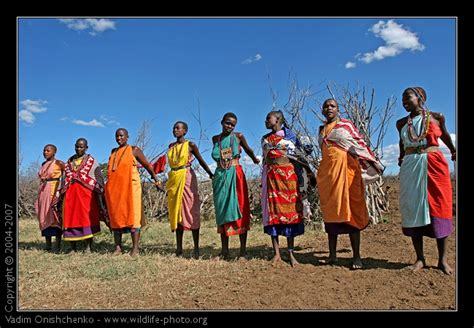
{"x":93,"y":122}
{"x":30,"y":108}
{"x":390,"y":155}
{"x":96,"y":25}
{"x":26,"y":116}
{"x":109,"y":120}
{"x":351,"y":65}
{"x":253,"y":59}
{"x":34,"y":106}
{"x":397,"y":39}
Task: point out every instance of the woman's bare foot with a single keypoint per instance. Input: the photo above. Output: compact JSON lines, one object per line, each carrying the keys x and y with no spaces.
{"x":276,"y":259}
{"x":417,"y":266}
{"x":444,"y":266}
{"x":118,"y":251}
{"x":356,"y":264}
{"x":224,"y":256}
{"x":196,"y":254}
{"x":179,"y":253}
{"x":134,"y":252}
{"x":330,"y":260}
{"x":243,"y":256}
{"x":293,"y":260}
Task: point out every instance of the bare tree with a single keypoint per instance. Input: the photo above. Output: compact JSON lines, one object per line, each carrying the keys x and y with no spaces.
{"x":154,"y":202}
{"x":28,"y":185}
{"x":371,"y":121}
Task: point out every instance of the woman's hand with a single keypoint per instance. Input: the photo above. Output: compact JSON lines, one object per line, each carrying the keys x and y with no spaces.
{"x":159,"y":186}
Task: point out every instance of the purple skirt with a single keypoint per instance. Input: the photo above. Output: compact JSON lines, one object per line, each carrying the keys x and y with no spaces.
{"x":438,"y":228}
{"x":80,"y":233}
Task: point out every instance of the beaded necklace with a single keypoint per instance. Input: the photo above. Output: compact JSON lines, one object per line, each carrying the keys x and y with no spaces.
{"x":226,"y":154}
{"x":73,"y":162}
{"x":114,"y":167}
{"x":425,"y":122}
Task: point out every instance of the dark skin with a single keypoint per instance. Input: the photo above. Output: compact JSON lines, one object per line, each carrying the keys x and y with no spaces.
{"x":228,"y":126}
{"x":81,"y":147}
{"x":413,"y":105}
{"x":330,"y":111}
{"x":49,"y":154}
{"x":121,"y":137}
{"x":179,"y":131}
{"x":275,"y":123}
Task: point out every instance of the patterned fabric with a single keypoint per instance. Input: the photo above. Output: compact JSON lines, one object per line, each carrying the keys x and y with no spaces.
{"x":425,"y":184}
{"x":340,"y":186}
{"x":345,"y":136}
{"x":88,"y":174}
{"x":81,"y":188}
{"x":281,"y":200}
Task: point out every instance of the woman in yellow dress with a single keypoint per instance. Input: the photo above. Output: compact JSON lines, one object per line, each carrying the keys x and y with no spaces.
{"x":182,"y":188}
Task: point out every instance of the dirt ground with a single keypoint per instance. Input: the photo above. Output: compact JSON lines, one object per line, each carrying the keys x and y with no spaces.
{"x":384,"y":283}
{"x":160,"y":281}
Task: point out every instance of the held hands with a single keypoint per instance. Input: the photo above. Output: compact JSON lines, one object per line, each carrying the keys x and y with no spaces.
{"x":256,"y":160}
{"x":105,"y":217}
{"x":159,"y":186}
{"x":453,"y":155}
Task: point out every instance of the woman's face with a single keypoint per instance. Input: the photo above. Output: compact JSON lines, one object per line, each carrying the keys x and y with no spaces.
{"x":410,"y":100}
{"x":179,"y":130}
{"x":228,"y":125}
{"x":48,"y":152}
{"x":121,"y":137}
{"x":80,"y":148}
{"x":330,"y":110}
{"x":271,"y":121}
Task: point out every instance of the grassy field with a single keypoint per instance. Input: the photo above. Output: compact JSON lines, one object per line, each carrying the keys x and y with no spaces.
{"x":155,"y":279}
{"x":158,"y":280}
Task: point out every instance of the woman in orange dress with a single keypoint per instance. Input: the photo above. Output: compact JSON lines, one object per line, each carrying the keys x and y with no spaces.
{"x":341,"y":188}
{"x":123,"y":191}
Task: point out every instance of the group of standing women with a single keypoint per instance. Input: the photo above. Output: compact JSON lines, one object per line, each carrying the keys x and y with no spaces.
{"x":82,"y":199}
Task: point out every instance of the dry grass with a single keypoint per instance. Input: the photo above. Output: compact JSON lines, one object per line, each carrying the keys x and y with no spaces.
{"x":160,"y":281}
{"x":155,"y":280}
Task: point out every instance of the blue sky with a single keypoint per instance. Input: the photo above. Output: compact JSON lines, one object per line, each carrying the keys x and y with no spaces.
{"x":87,"y":77}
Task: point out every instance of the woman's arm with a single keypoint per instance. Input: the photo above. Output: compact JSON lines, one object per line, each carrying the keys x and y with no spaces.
{"x":246,"y":148}
{"x":197,"y":154}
